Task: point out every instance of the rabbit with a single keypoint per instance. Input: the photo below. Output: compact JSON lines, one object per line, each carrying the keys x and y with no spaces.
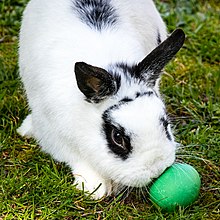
{"x":91,"y":72}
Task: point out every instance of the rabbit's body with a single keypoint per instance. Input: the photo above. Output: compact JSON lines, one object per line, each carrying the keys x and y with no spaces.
{"x":72,"y":116}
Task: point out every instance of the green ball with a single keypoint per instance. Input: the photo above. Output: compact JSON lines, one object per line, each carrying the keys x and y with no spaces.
{"x":179,"y":185}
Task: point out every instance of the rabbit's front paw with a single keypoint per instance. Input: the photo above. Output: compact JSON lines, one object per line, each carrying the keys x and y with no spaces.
{"x":91,"y":182}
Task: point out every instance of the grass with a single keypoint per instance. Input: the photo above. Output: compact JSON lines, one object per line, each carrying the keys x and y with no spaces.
{"x":33,"y":186}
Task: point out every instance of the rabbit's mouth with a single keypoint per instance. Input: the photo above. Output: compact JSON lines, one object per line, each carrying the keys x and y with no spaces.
{"x":139,"y":184}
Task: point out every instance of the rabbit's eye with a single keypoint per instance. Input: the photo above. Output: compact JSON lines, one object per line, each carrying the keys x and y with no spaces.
{"x":118,"y":139}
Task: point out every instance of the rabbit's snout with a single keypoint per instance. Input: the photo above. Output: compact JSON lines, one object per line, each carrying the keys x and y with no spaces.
{"x":153,"y":169}
{"x":158,"y":160}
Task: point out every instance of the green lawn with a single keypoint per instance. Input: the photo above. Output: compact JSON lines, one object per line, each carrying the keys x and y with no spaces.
{"x":33,"y":186}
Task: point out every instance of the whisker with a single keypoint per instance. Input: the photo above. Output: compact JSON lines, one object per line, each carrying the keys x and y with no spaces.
{"x":144,"y":192}
{"x":180,"y":146}
{"x":124,"y":192}
{"x":195,"y":157}
{"x":179,"y":160}
{"x":190,"y":153}
{"x":137,"y":190}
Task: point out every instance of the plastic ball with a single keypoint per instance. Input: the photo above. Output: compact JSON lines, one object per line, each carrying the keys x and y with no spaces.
{"x":179,"y":185}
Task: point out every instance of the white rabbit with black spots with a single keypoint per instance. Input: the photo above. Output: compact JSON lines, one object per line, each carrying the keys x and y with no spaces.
{"x":90,"y":69}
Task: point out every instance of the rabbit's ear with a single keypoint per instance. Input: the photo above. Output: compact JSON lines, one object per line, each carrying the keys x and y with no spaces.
{"x":151,"y":66}
{"x":94,"y":82}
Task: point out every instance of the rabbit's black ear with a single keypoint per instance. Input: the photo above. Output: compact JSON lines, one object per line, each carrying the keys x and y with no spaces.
{"x":151,"y":66}
{"x":94,"y":82}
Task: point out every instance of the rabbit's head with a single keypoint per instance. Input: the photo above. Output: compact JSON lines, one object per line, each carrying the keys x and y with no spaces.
{"x":130,"y":140}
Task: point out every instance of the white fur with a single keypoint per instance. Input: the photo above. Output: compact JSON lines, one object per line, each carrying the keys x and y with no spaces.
{"x":52,"y":40}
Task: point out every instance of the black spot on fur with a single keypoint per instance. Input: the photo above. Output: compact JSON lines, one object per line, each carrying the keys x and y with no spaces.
{"x":126,"y":99}
{"x":165,"y":124}
{"x":131,"y":72}
{"x":128,"y":70}
{"x":158,"y":38}
{"x":108,"y":128}
{"x":138,"y":94}
{"x":117,"y":79}
{"x":148,"y":93}
{"x":98,"y":14}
